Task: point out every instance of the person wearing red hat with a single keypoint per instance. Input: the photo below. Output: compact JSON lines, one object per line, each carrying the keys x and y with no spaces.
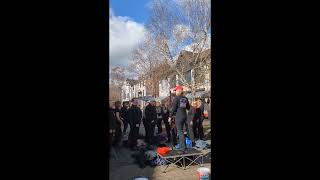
{"x":180,"y":105}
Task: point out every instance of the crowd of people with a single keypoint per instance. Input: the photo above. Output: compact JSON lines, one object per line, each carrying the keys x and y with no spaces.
{"x":178,"y":117}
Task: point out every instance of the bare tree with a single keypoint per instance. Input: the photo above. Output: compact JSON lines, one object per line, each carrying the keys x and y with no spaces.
{"x":117,"y":80}
{"x":147,"y":63}
{"x":177,"y":24}
{"x":114,"y":93}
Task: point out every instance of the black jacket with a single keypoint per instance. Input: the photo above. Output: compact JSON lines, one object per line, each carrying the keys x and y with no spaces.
{"x":151,"y":113}
{"x":197,"y":114}
{"x":112,"y":119}
{"x":124,"y":114}
{"x":202,"y":107}
{"x":160,"y":114}
{"x":134,"y":115}
{"x":180,"y":105}
{"x":166,"y":114}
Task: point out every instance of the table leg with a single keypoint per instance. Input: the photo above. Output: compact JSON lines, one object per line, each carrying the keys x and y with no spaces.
{"x":202,"y":161}
{"x":164,"y":171}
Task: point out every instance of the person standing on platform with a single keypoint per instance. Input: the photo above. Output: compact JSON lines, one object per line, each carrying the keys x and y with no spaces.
{"x":180,"y":105}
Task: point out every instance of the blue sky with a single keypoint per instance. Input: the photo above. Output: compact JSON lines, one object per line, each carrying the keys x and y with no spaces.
{"x":126,"y":29}
{"x":135,"y":9}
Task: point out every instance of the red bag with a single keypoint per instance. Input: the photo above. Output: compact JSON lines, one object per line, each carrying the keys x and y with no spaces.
{"x":163,"y":150}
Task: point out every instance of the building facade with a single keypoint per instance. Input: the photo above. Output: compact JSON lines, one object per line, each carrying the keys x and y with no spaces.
{"x":133,"y":89}
{"x":170,"y":78}
{"x":165,"y":85}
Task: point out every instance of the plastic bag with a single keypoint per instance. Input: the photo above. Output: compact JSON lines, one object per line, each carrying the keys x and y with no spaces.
{"x":142,"y":131}
{"x":158,"y":161}
{"x":202,"y":144}
{"x":188,"y":143}
{"x":141,"y":143}
{"x":150,"y":155}
{"x":163,"y":150}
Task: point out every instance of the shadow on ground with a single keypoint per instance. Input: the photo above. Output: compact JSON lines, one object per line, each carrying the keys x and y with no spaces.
{"x":123,"y":167}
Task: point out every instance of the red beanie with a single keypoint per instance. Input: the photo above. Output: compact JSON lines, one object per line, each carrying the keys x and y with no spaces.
{"x":179,"y":88}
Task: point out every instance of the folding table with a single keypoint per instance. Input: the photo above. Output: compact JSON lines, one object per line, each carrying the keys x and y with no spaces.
{"x":173,"y":157}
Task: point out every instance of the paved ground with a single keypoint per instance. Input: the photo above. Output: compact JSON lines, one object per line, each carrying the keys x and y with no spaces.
{"x":125,"y":169}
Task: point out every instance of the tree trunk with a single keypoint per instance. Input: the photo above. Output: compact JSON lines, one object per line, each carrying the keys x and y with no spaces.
{"x":193,"y":84}
{"x":193,"y":91}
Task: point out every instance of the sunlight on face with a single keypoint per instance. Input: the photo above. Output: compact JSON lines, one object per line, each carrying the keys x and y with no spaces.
{"x":178,"y":92}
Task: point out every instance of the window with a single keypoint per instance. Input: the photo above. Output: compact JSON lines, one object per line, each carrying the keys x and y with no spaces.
{"x":127,"y":96}
{"x":172,"y":82}
{"x":188,"y":76}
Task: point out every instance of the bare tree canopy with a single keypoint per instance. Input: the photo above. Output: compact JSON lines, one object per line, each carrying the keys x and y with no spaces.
{"x":146,"y":63}
{"x":145,"y":57}
{"x":177,"y":24}
{"x":177,"y":39}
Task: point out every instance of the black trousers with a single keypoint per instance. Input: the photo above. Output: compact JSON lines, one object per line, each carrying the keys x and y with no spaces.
{"x":173,"y":132}
{"x":180,"y":123}
{"x":125,"y":125}
{"x":159,"y":125}
{"x":198,"y":128}
{"x":133,"y":135}
{"x":168,"y":127}
{"x":189,"y":129}
{"x":118,"y":134}
{"x":150,"y":126}
{"x":145,"y":125}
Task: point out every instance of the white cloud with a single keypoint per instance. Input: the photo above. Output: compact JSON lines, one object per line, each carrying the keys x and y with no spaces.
{"x":111,"y":13}
{"x":125,"y":34}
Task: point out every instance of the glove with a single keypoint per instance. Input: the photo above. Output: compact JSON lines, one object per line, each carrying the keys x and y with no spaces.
{"x":169,"y":120}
